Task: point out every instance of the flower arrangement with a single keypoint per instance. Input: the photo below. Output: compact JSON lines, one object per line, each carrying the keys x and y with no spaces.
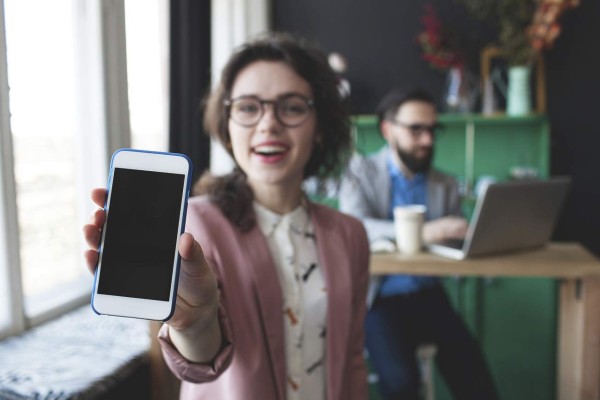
{"x":435,"y":41}
{"x":524,"y":26}
{"x":545,"y":28}
{"x":512,"y":17}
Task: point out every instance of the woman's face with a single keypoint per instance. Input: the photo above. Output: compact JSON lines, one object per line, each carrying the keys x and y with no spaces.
{"x":271,"y":152}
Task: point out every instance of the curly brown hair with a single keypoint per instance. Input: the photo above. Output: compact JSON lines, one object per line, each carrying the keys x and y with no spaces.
{"x":231,"y":193}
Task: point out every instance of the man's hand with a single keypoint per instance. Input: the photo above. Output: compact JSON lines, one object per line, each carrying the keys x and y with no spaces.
{"x":444,"y":228}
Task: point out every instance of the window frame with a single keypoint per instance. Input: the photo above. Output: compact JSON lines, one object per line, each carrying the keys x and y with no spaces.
{"x":232,"y":23}
{"x":102,"y":127}
{"x":10,"y":259}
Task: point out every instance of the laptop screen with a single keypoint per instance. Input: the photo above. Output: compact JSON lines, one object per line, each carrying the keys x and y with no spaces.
{"x":513,"y":216}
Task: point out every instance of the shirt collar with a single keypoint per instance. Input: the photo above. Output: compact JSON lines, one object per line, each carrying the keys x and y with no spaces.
{"x":268,"y":221}
{"x":396,"y":172}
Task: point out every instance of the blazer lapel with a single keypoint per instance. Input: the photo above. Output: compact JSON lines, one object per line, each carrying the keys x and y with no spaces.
{"x":436,"y":196}
{"x":270,"y":302}
{"x":339,"y":298}
{"x":382,"y":194}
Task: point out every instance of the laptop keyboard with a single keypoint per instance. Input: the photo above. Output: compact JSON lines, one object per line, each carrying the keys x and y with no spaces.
{"x":453,"y":243}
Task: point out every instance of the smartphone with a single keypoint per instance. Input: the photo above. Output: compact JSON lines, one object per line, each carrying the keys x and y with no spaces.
{"x":138,"y":260}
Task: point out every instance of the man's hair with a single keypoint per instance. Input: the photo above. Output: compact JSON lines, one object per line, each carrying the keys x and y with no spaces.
{"x":390,"y":104}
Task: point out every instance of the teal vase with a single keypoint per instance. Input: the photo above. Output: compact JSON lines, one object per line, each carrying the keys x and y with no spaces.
{"x":518,"y":99}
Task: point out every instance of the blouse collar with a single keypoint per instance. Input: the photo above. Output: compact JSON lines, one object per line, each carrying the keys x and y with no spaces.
{"x":268,"y":220}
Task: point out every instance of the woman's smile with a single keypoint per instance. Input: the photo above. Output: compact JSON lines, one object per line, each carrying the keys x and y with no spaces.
{"x":271,"y":152}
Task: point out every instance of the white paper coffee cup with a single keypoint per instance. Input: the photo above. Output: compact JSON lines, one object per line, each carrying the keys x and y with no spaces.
{"x":408,"y":221}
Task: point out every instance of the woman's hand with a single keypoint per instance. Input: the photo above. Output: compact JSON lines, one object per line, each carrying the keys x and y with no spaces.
{"x":93,"y":230}
{"x":197,"y":296}
{"x":194,"y":327}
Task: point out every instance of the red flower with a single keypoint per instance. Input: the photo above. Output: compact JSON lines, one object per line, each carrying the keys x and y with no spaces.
{"x":437,"y":50}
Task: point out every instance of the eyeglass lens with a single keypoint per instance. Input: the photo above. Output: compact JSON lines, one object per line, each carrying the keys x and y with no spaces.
{"x":290,"y":110}
{"x":419,"y":129}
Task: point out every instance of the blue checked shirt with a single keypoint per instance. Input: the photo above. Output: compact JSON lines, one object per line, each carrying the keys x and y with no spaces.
{"x":405,"y":191}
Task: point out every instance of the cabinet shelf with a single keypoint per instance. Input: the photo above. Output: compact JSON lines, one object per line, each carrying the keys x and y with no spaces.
{"x":473,"y":145}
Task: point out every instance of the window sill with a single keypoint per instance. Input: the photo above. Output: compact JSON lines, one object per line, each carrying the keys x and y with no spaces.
{"x":77,"y":355}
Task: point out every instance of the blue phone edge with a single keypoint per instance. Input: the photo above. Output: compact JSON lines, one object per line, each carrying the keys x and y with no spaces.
{"x":183,"y":220}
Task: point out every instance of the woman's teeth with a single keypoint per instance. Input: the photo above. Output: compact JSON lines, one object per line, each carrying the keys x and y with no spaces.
{"x":269,"y":149}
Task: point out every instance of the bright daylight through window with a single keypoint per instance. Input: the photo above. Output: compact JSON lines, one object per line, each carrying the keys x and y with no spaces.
{"x":41,"y":67}
{"x":146,"y":23}
{"x":46,"y":99}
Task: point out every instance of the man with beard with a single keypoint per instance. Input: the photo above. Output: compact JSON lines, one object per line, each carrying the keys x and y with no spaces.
{"x":407,"y":311}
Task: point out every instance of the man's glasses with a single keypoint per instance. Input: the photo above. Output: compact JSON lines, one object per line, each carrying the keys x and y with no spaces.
{"x":417,"y":130}
{"x":291,"y":110}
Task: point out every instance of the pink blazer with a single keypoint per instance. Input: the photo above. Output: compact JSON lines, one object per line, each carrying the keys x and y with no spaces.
{"x":251,"y":364}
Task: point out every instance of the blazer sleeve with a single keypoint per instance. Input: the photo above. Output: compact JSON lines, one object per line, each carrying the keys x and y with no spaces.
{"x":357,"y":182}
{"x":201,"y":217}
{"x":443,"y":195}
{"x":200,"y":372}
{"x":454,"y":200}
{"x":195,"y":372}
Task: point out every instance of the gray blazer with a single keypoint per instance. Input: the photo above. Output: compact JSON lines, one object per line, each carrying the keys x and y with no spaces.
{"x":365,"y":193}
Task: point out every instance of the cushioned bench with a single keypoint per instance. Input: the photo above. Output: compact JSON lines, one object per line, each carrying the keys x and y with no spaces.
{"x":79,"y":355}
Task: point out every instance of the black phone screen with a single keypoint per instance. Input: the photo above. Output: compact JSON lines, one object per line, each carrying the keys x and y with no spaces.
{"x":141,"y":234}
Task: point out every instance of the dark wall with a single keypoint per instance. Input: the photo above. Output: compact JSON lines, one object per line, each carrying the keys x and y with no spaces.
{"x":189,"y":80}
{"x":378,"y":39}
{"x":573,"y":82}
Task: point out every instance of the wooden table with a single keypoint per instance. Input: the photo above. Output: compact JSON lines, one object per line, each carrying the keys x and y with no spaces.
{"x":579,"y":309}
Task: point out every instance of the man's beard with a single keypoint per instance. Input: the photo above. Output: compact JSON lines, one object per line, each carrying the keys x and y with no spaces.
{"x":413,"y":163}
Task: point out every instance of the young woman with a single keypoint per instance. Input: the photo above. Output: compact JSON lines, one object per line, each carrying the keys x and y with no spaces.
{"x":272,"y":288}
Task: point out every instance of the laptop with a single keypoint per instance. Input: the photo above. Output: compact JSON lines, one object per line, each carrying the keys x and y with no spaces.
{"x":509,"y":216}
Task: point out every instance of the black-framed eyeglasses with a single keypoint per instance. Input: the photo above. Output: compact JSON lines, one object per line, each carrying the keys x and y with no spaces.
{"x":290,"y":110}
{"x":417,"y":130}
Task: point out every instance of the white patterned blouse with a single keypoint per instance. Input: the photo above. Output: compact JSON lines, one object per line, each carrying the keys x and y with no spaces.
{"x":292,"y":244}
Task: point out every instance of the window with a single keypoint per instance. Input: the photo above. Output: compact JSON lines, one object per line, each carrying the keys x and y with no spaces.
{"x":41,"y":68}
{"x":146,"y":23}
{"x":66,"y":66}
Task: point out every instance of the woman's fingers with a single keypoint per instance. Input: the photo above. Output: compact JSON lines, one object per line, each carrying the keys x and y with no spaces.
{"x":193,"y":262}
{"x":97,"y":218}
{"x":91,"y":231}
{"x":91,"y":234}
{"x":99,"y":196}
{"x":190,"y":250}
{"x":91,"y":258}
{"x":197,"y":282}
{"x":197,"y":294}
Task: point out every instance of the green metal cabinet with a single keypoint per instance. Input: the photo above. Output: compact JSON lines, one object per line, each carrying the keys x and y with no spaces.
{"x":471,"y":146}
{"x":514,"y":319}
